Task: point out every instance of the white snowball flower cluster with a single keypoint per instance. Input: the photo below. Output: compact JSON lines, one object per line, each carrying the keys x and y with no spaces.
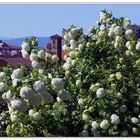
{"x":127,"y":24}
{"x":67,"y":65}
{"x":2,"y":75}
{"x":26,"y":92}
{"x":73,"y":44}
{"x":101,"y":92}
{"x":134,"y":120}
{"x":81,"y":102}
{"x":57,"y":83}
{"x":17,"y":74}
{"x":41,"y":54}
{"x":55,"y":58}
{"x":33,"y":57}
{"x":129,"y":34}
{"x":39,"y":86}
{"x":118,"y":30}
{"x":25,"y":46}
{"x":115,"y":119}
{"x":36,"y":64}
{"x":94,"y":124}
{"x":19,"y":104}
{"x":37,"y":116}
{"x":47,"y":97}
{"x":73,"y":33}
{"x":78,"y":83}
{"x":105,"y":17}
{"x":64,"y":95}
{"x":9,"y":95}
{"x":104,"y":124}
{"x":3,"y":87}
{"x":25,"y":50}
{"x":13,"y":117}
{"x":31,"y":112}
{"x":66,"y":48}
{"x":138,"y":46}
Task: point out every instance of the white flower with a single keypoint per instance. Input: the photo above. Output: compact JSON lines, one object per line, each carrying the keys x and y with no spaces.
{"x":17,"y":74}
{"x":67,"y":66}
{"x":104,"y":124}
{"x":57,"y":83}
{"x":31,"y":112}
{"x":41,"y":54}
{"x":26,"y":92}
{"x":25,"y":46}
{"x":73,"y":62}
{"x":55,"y":58}
{"x":59,"y":99}
{"x":33,"y":57}
{"x":65,"y":48}
{"x":25,"y":54}
{"x":35,"y":100}
{"x":118,"y":30}
{"x":118,"y":39}
{"x":115,"y":119}
{"x":94,"y":124}
{"x":66,"y":37}
{"x":84,"y":133}
{"x":4,"y":96}
{"x":13,"y":117}
{"x":3,"y":87}
{"x":73,"y":44}
{"x":39,"y":86}
{"x":73,"y":33}
{"x":2,"y":75}
{"x":102,"y":27}
{"x":19,"y":104}
{"x":101,"y":33}
{"x":80,"y":47}
{"x":50,"y":75}
{"x":88,"y":44}
{"x":47,"y":97}
{"x":103,"y":16}
{"x":78,"y":83}
{"x":127,"y":25}
{"x":42,"y":71}
{"x":81,"y":102}
{"x":138,"y":46}
{"x":37,"y":116}
{"x":8,"y":94}
{"x":134,"y":120}
{"x":15,"y":81}
{"x":36,"y":64}
{"x":101,"y":92}
{"x":64,"y":95}
{"x":111,"y":34}
{"x":129,"y":34}
{"x":123,"y":108}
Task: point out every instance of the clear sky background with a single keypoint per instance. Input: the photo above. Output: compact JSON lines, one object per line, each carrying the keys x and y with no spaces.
{"x":20,"y":20}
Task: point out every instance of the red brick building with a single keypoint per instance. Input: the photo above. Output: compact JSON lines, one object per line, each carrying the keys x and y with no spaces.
{"x":11,"y":55}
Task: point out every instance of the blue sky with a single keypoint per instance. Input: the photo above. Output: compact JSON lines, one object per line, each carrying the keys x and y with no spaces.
{"x":20,"y":20}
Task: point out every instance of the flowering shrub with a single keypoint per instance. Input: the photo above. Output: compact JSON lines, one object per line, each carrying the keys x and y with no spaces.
{"x":94,"y":93}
